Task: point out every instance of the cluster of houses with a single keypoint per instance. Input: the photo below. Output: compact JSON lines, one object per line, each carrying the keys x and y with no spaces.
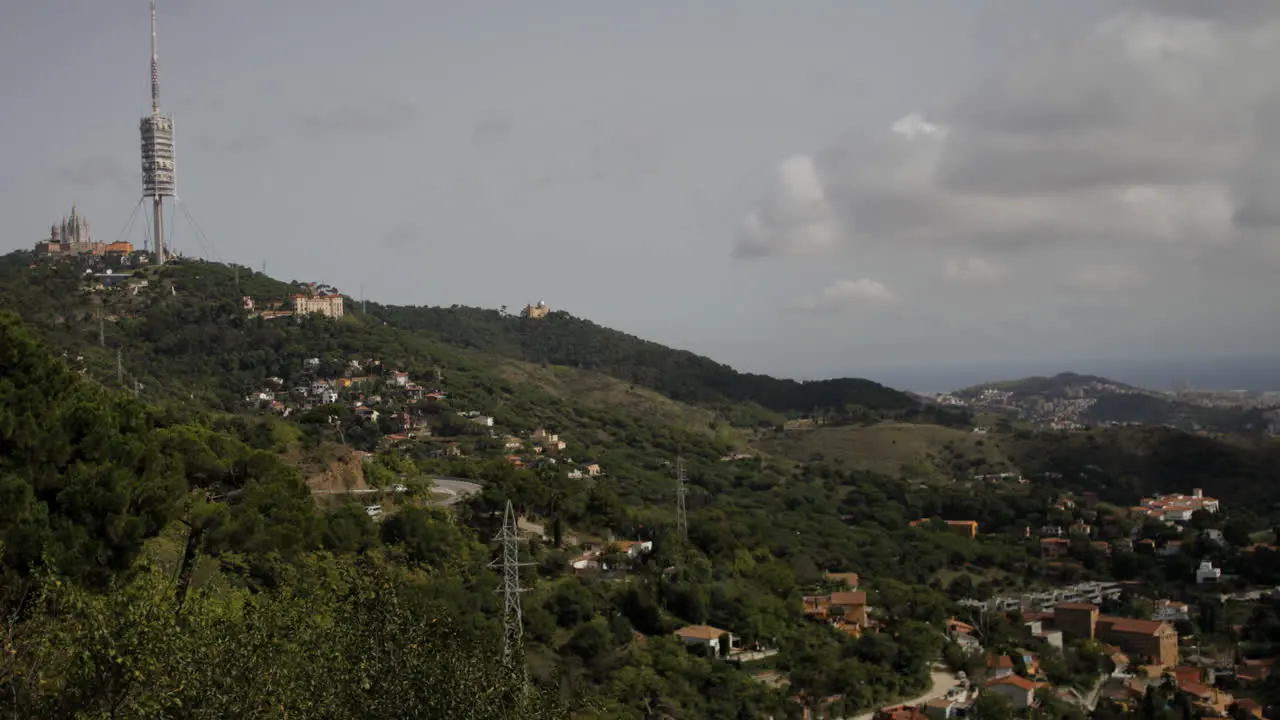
{"x":403,"y":408}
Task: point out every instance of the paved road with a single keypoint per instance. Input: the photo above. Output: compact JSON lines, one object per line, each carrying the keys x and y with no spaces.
{"x":942,"y":682}
{"x":454,"y":490}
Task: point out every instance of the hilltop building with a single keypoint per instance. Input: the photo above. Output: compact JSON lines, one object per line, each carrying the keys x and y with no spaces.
{"x":1177,"y":507}
{"x":70,"y":238}
{"x":536,"y":312}
{"x":329,"y":305}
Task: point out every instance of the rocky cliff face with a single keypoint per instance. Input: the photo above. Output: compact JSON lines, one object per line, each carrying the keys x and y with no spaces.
{"x":343,"y":471}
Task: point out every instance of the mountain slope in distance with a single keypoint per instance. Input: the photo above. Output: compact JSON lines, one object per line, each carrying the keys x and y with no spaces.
{"x":1070,"y":398}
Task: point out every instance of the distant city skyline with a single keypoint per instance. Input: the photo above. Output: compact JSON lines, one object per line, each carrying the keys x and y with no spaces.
{"x":804,"y":189}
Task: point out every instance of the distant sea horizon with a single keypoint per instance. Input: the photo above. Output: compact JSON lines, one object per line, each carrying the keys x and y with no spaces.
{"x":1255,"y":374}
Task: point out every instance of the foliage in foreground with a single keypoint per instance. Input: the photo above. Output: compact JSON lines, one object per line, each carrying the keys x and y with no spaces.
{"x":349,"y":642}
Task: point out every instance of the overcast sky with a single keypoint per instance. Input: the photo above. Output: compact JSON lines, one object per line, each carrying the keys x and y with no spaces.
{"x":807,"y":188}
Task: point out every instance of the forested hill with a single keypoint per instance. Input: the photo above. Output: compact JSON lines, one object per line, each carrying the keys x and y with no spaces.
{"x":562,"y":339}
{"x":189,"y":325}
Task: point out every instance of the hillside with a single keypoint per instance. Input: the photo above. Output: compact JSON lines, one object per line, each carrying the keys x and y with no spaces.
{"x":191,"y":315}
{"x":1070,"y":399}
{"x":897,"y":449}
{"x":562,"y":339}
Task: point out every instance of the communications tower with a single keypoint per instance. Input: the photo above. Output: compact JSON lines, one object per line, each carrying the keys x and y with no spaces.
{"x":157,"y":151}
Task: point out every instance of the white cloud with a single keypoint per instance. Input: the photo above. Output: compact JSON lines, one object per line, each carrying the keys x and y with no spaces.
{"x":975,"y":270}
{"x":795,"y":217}
{"x":844,"y":294}
{"x":1153,"y":136}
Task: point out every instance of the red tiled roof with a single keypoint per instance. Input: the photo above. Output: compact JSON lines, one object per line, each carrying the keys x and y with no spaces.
{"x":700,"y":632}
{"x":1195,"y":688}
{"x":1003,"y":662}
{"x":1015,"y":680}
{"x":849,"y":597}
{"x":1130,"y":625}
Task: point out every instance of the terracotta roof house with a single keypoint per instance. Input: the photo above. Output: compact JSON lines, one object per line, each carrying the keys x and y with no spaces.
{"x":1019,"y":691}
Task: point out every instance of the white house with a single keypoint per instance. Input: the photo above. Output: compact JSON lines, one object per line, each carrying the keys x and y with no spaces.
{"x":704,"y":635}
{"x":1207,"y":573}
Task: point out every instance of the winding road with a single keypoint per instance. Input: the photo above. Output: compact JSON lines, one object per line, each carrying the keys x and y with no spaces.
{"x":942,"y":683}
{"x":454,"y":489}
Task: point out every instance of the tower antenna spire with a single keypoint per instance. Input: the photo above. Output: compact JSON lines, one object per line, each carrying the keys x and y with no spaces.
{"x":155,"y":63}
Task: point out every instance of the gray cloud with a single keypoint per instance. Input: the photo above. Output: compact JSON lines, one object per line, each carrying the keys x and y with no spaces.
{"x":1154,"y":134}
{"x":371,"y":119}
{"x":402,"y":236}
{"x":97,"y":171}
{"x":234,"y":144}
{"x":492,"y":130}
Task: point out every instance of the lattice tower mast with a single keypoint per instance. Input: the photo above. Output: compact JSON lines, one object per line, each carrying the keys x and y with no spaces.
{"x":157,"y":151}
{"x":509,"y":565}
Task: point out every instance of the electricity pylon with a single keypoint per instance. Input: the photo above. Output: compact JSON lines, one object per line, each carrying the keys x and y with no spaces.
{"x":509,"y":563}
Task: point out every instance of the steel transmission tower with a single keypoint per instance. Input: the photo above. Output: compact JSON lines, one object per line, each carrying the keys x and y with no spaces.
{"x":509,"y":563}
{"x":682,"y":519}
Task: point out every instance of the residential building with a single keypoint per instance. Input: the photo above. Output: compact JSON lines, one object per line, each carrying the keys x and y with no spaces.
{"x":593,"y":469}
{"x":1019,"y":691}
{"x":1207,"y":573}
{"x":400,"y":379}
{"x":706,"y":636}
{"x":1153,"y":640}
{"x":852,"y":606}
{"x":848,"y":579}
{"x":999,"y":666}
{"x":1054,"y":547}
{"x":1171,"y":611}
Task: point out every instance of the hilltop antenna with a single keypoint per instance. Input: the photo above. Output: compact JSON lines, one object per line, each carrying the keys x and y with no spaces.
{"x":102,"y":331}
{"x":119,"y":368}
{"x":512,"y":615}
{"x":157,"y":151}
{"x":682,"y":518}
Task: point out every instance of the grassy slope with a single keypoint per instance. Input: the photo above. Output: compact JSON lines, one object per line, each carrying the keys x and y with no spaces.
{"x":926,"y":451}
{"x":601,"y":391}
